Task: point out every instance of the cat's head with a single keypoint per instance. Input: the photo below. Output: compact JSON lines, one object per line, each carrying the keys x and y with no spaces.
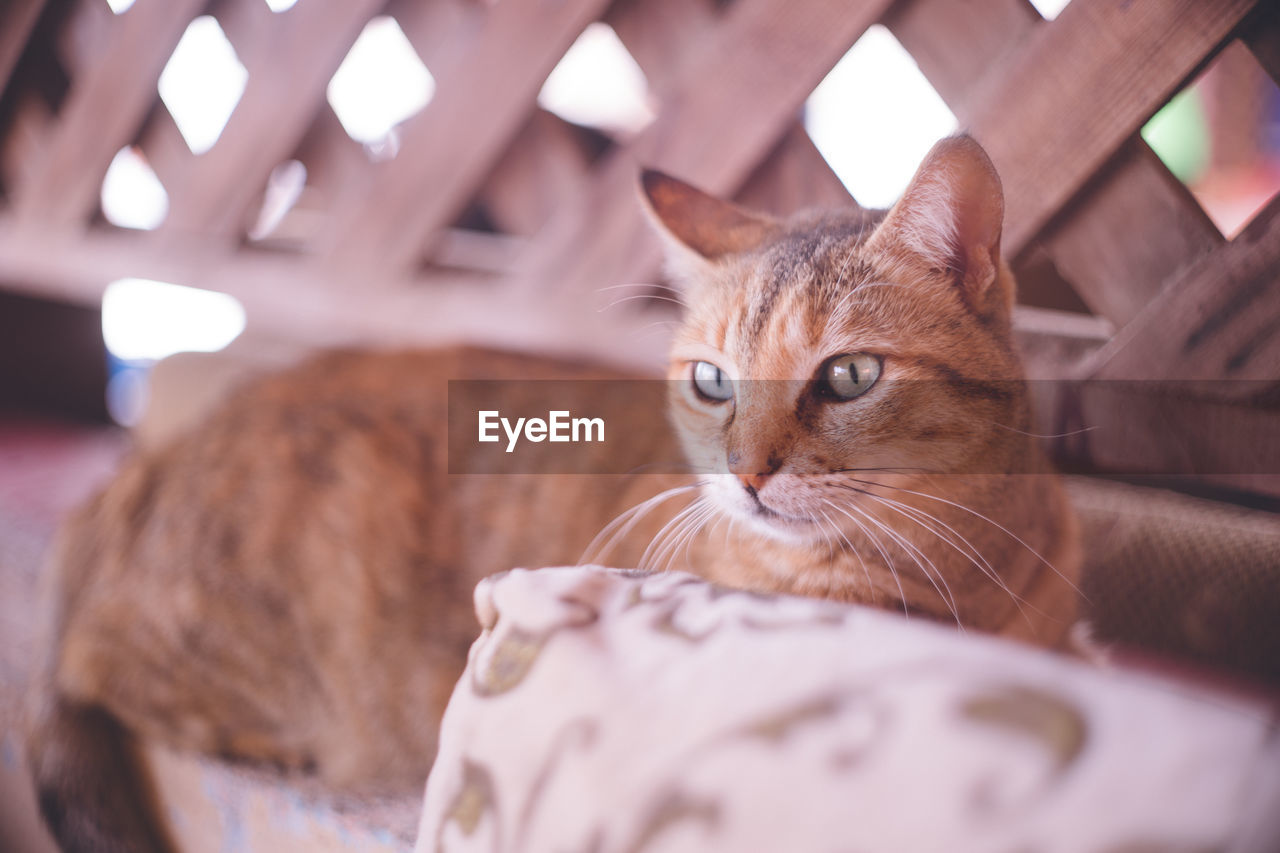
{"x":835,"y":347}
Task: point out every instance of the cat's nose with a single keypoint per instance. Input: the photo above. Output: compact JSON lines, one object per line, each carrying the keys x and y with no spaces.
{"x":752,"y":471}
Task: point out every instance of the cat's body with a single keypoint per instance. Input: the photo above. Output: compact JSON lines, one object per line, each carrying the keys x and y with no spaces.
{"x":291,"y":581}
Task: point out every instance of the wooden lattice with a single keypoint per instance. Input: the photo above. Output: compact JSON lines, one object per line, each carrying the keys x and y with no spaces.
{"x":379,"y":251}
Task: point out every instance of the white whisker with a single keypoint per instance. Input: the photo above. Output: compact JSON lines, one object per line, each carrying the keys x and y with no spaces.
{"x":691,"y":532}
{"x":973,"y":555}
{"x":628,"y":519}
{"x":910,"y":550}
{"x":918,"y":556}
{"x":660,"y":537}
{"x":645,"y":284}
{"x":651,"y":296}
{"x":991,"y":521}
{"x":1081,"y":431}
{"x":871,"y":585}
{"x":875,"y":542}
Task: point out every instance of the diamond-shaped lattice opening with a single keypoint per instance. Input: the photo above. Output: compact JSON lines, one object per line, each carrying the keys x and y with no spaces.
{"x":597,"y":83}
{"x":381,"y":82}
{"x":1221,"y":137}
{"x":285,"y":186}
{"x":281,"y":5}
{"x":119,"y":7}
{"x":202,"y":82}
{"x":874,"y":117}
{"x":132,"y":196}
{"x":1049,"y":9}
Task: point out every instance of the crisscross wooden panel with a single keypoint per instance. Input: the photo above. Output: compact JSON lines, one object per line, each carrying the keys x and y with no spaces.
{"x":212,"y":194}
{"x":497,"y":221}
{"x":480,"y":102}
{"x":102,"y":113}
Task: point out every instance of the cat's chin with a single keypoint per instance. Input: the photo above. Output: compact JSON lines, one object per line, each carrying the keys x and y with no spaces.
{"x":789,"y":530}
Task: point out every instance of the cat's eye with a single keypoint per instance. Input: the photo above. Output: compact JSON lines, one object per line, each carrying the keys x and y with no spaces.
{"x":711,"y":382}
{"x":852,"y":375}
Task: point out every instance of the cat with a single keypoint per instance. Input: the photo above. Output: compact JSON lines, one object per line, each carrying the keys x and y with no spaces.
{"x":290,"y":581}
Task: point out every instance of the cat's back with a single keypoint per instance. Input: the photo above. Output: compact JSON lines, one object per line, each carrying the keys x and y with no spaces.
{"x":303,"y":557}
{"x":264,"y":584}
{"x":197,"y":592}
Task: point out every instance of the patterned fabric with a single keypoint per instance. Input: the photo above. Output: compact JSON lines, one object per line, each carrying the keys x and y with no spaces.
{"x":615,"y":711}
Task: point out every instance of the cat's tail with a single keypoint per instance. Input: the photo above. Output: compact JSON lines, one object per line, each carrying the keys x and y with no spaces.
{"x":92,"y":790}
{"x":91,"y":785}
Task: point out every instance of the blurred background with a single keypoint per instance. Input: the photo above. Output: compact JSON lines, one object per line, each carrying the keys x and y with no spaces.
{"x":303,"y":174}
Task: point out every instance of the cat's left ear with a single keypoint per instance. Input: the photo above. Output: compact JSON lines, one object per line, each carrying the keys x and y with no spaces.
{"x":700,"y":227}
{"x":950,"y":218}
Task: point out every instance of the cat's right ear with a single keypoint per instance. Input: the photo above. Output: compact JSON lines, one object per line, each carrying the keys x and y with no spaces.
{"x":699,"y":227}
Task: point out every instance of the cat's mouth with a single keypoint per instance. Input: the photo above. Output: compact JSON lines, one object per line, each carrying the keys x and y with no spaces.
{"x":759,"y":512}
{"x":764,"y":512}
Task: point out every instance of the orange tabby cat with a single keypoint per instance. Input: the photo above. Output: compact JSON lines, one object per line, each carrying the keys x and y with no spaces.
{"x":290,"y":582}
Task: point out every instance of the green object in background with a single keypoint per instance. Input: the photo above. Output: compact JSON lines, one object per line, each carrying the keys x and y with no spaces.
{"x":1179,"y":134}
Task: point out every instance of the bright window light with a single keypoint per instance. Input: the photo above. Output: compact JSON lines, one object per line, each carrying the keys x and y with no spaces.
{"x":146,"y":320}
{"x":120,"y":6}
{"x":202,"y":83}
{"x":874,"y":118}
{"x":132,"y":195}
{"x":1049,"y":9}
{"x":597,"y":83}
{"x":281,"y":5}
{"x":380,"y":83}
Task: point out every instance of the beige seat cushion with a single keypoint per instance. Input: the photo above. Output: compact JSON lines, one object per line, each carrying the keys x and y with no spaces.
{"x":611,"y":711}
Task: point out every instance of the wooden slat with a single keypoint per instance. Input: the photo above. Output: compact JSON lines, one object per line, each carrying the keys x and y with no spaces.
{"x":1129,"y":232}
{"x":83,"y":36}
{"x":311,"y":40}
{"x":290,"y":302}
{"x":17,"y":21}
{"x":252,"y":28}
{"x":545,"y":164}
{"x":957,"y":44}
{"x":440,"y":31}
{"x":29,"y":127}
{"x":794,"y":177}
{"x":331,"y":156}
{"x":165,"y":149}
{"x":661,"y":34}
{"x":478,"y":251}
{"x":103,"y":112}
{"x":1084,"y":84}
{"x":1220,"y":320}
{"x":1136,"y":429}
{"x":746,"y":82}
{"x":1262,"y":35}
{"x":1057,"y":344}
{"x":448,"y":147}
